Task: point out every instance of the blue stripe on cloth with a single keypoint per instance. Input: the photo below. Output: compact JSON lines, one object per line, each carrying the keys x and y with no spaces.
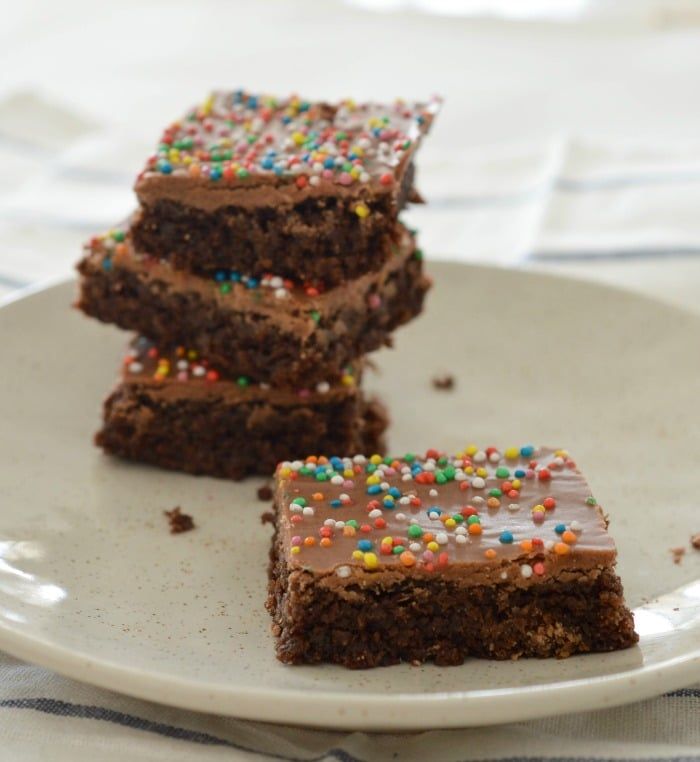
{"x":89,"y":712}
{"x":651,"y":252}
{"x":9,"y":282}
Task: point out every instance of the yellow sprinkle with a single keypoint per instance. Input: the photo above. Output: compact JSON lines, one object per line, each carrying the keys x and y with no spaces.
{"x":433,"y":546}
{"x":511,"y":453}
{"x":358,"y":555}
{"x":361,"y":210}
{"x":375,"y":460}
{"x":284,"y":472}
{"x":371,"y":560}
{"x":347,"y":380}
{"x":298,"y":138}
{"x":538,"y":508}
{"x":516,"y":484}
{"x":348,"y":473}
{"x":373,"y":479}
{"x":482,"y":472}
{"x":469,"y":470}
{"x":295,"y":549}
{"x":450,"y":523}
{"x":472,"y":449}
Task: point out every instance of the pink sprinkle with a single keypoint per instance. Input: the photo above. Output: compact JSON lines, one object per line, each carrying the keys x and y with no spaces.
{"x":348,"y":484}
{"x":296,"y":540}
{"x":374,"y":301}
{"x":303,"y":393}
{"x":428,"y":555}
{"x":345,"y":178}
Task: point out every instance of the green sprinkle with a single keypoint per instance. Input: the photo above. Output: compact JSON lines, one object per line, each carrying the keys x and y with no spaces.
{"x":118,"y":235}
{"x":440,"y":477}
{"x":242,"y":173}
{"x":473,"y":520}
{"x":418,"y":254}
{"x":305,"y":471}
{"x":458,"y":517}
{"x":225,"y":288}
{"x":495,"y":492}
{"x":321,"y":476}
{"x":415,"y":531}
{"x":299,"y":501}
{"x":397,"y":549}
{"x":315,"y":316}
{"x":450,"y":472}
{"x":409,"y":457}
{"x":502,"y":472}
{"x":591,"y":501}
{"x":242,"y":381}
{"x":352,"y":523}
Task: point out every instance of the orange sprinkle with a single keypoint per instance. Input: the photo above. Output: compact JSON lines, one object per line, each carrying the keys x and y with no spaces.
{"x":317,"y":496}
{"x":407,"y":558}
{"x":569,"y":537}
{"x":526,"y":545}
{"x":493,"y":502}
{"x":325,"y":542}
{"x":428,"y":537}
{"x":561,"y":549}
{"x":309,"y":541}
{"x":490,"y":553}
{"x":349,"y":531}
{"x":475,"y":529}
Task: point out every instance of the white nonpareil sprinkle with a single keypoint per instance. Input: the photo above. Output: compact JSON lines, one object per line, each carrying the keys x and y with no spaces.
{"x":441,"y":538}
{"x":415,"y":547}
{"x":478,"y":482}
{"x":337,"y":479}
{"x":323,"y":387}
{"x":514,"y":507}
{"x":375,"y":514}
{"x":479,"y":457}
{"x":308,"y":511}
{"x":401,"y":517}
{"x":404,"y":500}
{"x":135,"y":367}
{"x":526,"y":571}
{"x":433,"y":493}
{"x":461,"y":531}
{"x":343,"y":571}
{"x":575,"y":526}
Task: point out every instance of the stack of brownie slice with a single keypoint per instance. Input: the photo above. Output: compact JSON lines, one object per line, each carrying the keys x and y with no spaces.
{"x":264,"y":261}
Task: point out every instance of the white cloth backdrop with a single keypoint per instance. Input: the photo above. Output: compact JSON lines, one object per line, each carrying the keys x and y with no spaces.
{"x":570,"y":147}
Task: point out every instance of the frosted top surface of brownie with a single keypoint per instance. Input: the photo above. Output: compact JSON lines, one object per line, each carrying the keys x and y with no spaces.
{"x":480,"y":509}
{"x":243,"y":139}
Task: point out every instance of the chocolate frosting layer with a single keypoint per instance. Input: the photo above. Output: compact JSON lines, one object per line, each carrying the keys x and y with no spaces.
{"x":522,"y":514}
{"x":246,"y":150}
{"x":183,"y":374}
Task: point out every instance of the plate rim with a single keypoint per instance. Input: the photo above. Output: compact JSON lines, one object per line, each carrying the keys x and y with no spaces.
{"x":261,"y":704}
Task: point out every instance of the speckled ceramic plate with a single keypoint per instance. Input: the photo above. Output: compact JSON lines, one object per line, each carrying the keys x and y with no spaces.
{"x":94,"y":586}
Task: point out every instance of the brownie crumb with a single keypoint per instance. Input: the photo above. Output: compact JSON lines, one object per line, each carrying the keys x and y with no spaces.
{"x":695,"y":541}
{"x":267,"y":518}
{"x":179,"y":521}
{"x":677,"y":554}
{"x":444,"y":383}
{"x":265,"y":492}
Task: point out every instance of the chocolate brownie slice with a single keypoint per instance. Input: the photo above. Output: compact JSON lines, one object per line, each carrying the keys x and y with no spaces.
{"x":176,"y":411}
{"x":493,"y":554}
{"x":266,"y":329}
{"x":307,"y":190}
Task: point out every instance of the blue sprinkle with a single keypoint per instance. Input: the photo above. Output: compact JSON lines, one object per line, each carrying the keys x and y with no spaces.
{"x":267,"y":163}
{"x":252,"y":101}
{"x":278,"y":171}
{"x":214,"y":173}
{"x":107,"y":264}
{"x":388,"y":501}
{"x":220,"y":275}
{"x":527,"y":451}
{"x":435,"y":509}
{"x":235,"y":277}
{"x":560,"y":528}
{"x":420,"y":119}
{"x":395,"y":492}
{"x":520,"y":473}
{"x":365,"y":545}
{"x":165,"y":167}
{"x":329,"y":163}
{"x":286,"y":119}
{"x":506,"y":538}
{"x":251,"y":283}
{"x":374,"y":489}
{"x":335,"y":503}
{"x":304,"y":106}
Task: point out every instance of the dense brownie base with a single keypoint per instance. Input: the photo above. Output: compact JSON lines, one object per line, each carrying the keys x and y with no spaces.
{"x":319,"y":240}
{"x":238,"y":343}
{"x":417,"y":620}
{"x":207,"y":437}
